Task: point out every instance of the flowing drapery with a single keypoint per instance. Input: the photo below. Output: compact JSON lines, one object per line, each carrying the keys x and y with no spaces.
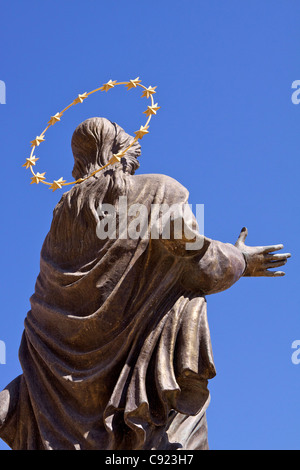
{"x":116,"y":350}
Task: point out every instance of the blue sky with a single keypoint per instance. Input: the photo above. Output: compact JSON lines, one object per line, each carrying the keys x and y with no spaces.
{"x":227,"y":130}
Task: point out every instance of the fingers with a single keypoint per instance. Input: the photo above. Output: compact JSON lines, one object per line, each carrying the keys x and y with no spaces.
{"x":274,"y":273}
{"x":275,"y":264}
{"x":270,"y":248}
{"x":242,"y":236}
{"x":278,"y":257}
{"x":275,"y":261}
{"x":266,"y":273}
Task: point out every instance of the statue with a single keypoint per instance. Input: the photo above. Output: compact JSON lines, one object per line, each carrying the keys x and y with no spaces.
{"x":116,"y":351}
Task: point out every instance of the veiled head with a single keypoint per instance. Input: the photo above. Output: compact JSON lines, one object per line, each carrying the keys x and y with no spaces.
{"x":94,"y":142}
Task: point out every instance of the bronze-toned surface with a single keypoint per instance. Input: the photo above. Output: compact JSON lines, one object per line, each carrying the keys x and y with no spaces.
{"x":116,"y":350}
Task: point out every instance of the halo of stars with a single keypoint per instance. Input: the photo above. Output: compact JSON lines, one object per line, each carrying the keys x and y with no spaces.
{"x":151,"y":110}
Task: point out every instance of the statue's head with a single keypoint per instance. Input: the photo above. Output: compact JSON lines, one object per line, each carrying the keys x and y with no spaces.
{"x":94,"y":142}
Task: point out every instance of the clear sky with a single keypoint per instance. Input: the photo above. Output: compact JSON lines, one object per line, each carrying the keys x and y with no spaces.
{"x":227,"y":130}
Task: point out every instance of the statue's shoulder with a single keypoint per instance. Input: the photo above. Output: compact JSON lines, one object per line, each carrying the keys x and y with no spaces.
{"x":156,"y":182}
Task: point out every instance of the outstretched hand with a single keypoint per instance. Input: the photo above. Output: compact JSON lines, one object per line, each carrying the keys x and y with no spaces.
{"x":259,"y":259}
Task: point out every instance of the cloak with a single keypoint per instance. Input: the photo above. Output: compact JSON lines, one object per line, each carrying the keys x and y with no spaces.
{"x":116,"y":350}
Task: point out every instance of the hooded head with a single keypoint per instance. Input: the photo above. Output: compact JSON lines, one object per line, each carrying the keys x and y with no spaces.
{"x":94,"y":142}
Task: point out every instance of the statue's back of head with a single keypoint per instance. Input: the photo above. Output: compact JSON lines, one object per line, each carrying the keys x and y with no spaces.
{"x":94,"y":142}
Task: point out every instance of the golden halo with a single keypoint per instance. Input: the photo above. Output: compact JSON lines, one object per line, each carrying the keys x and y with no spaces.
{"x":58,"y":184}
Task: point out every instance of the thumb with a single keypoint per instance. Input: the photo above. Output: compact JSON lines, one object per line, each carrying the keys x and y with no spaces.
{"x":242,"y":236}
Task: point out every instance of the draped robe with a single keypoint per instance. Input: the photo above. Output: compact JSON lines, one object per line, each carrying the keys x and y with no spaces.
{"x":116,"y":350}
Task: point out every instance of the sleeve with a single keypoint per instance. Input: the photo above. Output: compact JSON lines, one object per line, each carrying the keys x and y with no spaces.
{"x":221,"y":266}
{"x":209,"y":266}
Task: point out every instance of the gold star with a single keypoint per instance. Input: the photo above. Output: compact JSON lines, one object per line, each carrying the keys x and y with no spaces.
{"x":133,"y":83}
{"x":57,"y":184}
{"x":54,"y":119}
{"x":30,"y":162}
{"x":142,"y":131}
{"x":80,"y":98}
{"x":37,"y":178}
{"x":107,"y":86}
{"x":151,"y":110}
{"x":116,"y":157}
{"x":36,"y":142}
{"x":149,"y":91}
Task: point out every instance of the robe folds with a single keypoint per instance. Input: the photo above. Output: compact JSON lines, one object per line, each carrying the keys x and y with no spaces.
{"x":116,"y":351}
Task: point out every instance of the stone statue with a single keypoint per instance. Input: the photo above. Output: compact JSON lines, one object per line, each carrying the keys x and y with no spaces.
{"x":116,"y":351}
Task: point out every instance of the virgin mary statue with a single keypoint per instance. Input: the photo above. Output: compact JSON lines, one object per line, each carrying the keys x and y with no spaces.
{"x":116,"y":351}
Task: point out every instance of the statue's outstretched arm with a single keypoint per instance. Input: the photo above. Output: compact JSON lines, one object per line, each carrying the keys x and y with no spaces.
{"x":211,"y":266}
{"x":223,"y":264}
